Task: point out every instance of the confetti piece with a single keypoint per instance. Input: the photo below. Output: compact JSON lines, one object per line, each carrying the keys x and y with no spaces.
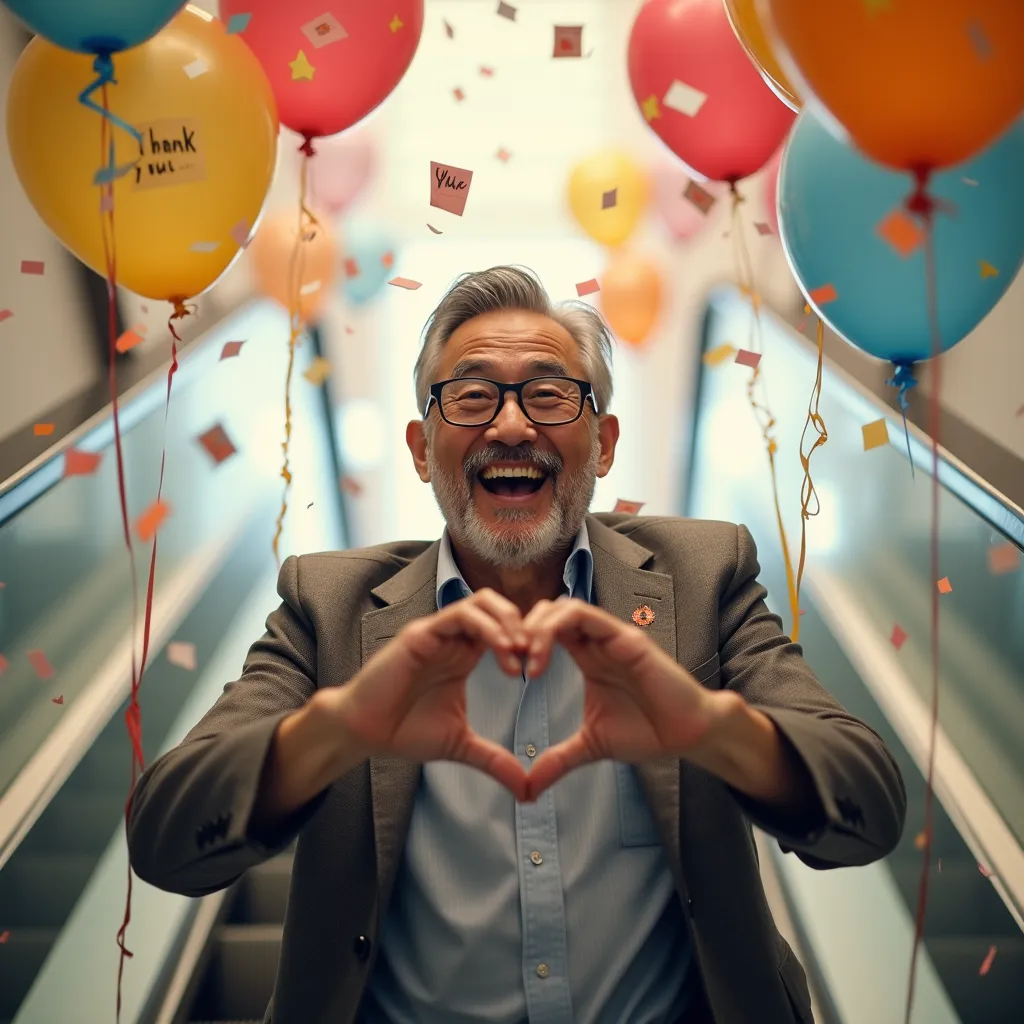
{"x":405,"y":282}
{"x":486,"y":72}
{"x":301,"y":68}
{"x":587,"y":287}
{"x":684,"y":98}
{"x":5,"y":314}
{"x":196,"y":68}
{"x":217,"y":444}
{"x":718,"y":355}
{"x":899,"y":637}
{"x":33,"y":267}
{"x":310,"y":288}
{"x":986,"y":964}
{"x":449,"y":187}
{"x":57,"y":700}
{"x":920,"y":840}
{"x":459,"y":95}
{"x":876,"y":434}
{"x":348,"y":330}
{"x":437,"y":231}
{"x":42,"y":429}
{"x":324,"y":30}
{"x":41,"y":665}
{"x":987,"y":270}
{"x":503,"y":155}
{"x":4,"y":936}
{"x":979,"y":40}
{"x":939,"y":866}
{"x":351,"y":486}
{"x":238,"y":23}
{"x":130,"y":338}
{"x":79,"y":463}
{"x":699,"y":197}
{"x":351,"y":268}
{"x":1003,"y":558}
{"x":632,"y":507}
{"x":231,"y":349}
{"x":309,"y":506}
{"x":824,"y":295}
{"x":747,"y":358}
{"x":609,"y":199}
{"x":3,"y":664}
{"x":448,"y":30}
{"x":650,"y":108}
{"x":506,"y":11}
{"x":945,"y":587}
{"x":182,"y":654}
{"x":147,"y":525}
{"x":986,"y":871}
{"x":970,"y":181}
{"x":318,"y":371}
{"x":387,"y":260}
{"x":568,"y":41}
{"x":395,"y":24}
{"x":240,"y":234}
{"x":762,"y":228}
{"x":901,"y":232}
{"x":204,"y":247}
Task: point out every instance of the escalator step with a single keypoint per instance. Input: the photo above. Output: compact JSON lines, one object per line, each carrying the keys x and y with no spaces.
{"x":240,"y":978}
{"x":23,"y":954}
{"x":993,"y":998}
{"x":42,"y":889}
{"x":263,"y":893}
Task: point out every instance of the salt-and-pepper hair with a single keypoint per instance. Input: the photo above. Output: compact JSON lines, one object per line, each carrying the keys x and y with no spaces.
{"x":488,"y":291}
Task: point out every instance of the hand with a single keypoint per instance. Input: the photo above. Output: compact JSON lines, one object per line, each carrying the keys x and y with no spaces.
{"x":639,"y":704}
{"x":409,"y":699}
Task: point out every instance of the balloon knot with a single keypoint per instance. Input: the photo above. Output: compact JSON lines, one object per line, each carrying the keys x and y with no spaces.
{"x":181,"y":310}
{"x":903,"y":379}
{"x":307,"y":146}
{"x":103,"y":65}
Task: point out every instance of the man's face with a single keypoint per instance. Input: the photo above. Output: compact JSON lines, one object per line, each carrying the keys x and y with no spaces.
{"x":504,"y":523}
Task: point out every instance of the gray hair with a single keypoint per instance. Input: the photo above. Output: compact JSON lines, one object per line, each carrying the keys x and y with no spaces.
{"x":487,"y":291}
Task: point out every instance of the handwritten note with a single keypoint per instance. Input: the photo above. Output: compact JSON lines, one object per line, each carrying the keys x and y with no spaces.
{"x":449,"y":187}
{"x":170,"y":154}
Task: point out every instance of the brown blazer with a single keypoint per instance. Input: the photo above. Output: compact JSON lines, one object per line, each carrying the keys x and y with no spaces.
{"x":189,"y":827}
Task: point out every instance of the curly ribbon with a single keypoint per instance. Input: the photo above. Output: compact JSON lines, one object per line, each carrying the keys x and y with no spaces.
{"x":904,"y":379}
{"x":103,"y":65}
{"x":762,"y":413}
{"x":296,"y":271}
{"x":807,"y":491}
{"x":923,"y":205}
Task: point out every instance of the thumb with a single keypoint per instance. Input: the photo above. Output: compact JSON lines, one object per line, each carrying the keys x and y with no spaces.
{"x":556,"y":762}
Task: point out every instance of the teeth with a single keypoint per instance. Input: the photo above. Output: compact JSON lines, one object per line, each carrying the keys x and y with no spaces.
{"x":527,"y":471}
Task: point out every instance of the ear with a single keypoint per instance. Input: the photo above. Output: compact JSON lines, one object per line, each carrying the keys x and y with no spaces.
{"x":416,"y":439}
{"x":608,"y":434}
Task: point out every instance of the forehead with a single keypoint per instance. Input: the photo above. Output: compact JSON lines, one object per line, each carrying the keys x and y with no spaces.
{"x":510,"y":344}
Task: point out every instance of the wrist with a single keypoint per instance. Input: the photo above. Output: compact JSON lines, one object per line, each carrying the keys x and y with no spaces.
{"x":323,"y":728}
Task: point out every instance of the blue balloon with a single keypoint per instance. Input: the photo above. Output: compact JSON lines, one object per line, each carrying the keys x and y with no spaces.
{"x":832,"y":202}
{"x":369,"y":246}
{"x":96,"y":26}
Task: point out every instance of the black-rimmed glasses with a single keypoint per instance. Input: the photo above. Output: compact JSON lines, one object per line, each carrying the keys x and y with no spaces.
{"x":476,"y":401}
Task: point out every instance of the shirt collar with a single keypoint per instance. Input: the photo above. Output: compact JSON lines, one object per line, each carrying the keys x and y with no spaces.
{"x":578,"y":575}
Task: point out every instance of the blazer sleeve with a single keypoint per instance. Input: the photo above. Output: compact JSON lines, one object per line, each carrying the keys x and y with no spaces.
{"x":861,"y":797}
{"x":188,"y":830}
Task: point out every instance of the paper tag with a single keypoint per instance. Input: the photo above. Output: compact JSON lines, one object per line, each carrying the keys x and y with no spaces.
{"x":684,"y":99}
{"x":449,"y":187}
{"x":324,"y":30}
{"x":171,"y":154}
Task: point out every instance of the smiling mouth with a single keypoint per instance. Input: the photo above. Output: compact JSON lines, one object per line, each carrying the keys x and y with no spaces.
{"x":508,"y":485}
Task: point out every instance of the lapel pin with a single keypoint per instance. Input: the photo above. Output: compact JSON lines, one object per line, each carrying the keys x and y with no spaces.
{"x":643,"y":616}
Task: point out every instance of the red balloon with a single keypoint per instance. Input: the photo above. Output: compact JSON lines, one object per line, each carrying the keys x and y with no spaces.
{"x":700,"y":92}
{"x":771,"y":190}
{"x":328,"y":71}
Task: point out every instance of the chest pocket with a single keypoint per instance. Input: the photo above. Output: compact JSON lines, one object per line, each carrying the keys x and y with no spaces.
{"x":636,"y":822}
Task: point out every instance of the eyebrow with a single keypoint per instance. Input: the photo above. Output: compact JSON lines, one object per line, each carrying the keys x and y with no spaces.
{"x":473,"y":367}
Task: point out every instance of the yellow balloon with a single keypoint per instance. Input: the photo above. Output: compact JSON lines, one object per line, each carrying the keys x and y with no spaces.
{"x":608,"y":193}
{"x":208,"y":122}
{"x":750,"y":31}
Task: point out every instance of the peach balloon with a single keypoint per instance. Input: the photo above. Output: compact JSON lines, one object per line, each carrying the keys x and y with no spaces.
{"x":279,"y":259}
{"x":631,"y":296}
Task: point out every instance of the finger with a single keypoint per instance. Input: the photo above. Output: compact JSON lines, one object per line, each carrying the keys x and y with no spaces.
{"x":496,"y":761}
{"x":504,"y":611}
{"x":556,"y":762}
{"x":564,"y":620}
{"x":463,"y":619}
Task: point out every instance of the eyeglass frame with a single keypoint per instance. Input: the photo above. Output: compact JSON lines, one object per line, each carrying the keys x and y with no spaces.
{"x":586,"y":392}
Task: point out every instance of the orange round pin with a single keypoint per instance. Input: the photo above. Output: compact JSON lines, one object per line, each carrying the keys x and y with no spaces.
{"x":643,"y":616}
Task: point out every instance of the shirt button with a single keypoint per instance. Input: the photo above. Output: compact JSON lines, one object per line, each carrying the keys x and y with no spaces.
{"x":531,"y":750}
{"x":543,"y":970}
{"x":536,"y":857}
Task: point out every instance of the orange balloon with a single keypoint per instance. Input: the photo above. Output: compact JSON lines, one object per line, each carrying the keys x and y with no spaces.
{"x":631,"y":294}
{"x":273,"y":249}
{"x":749,"y":29}
{"x":918,"y":84}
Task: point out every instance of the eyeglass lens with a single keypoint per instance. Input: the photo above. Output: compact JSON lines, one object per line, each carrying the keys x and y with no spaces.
{"x":548,"y":400}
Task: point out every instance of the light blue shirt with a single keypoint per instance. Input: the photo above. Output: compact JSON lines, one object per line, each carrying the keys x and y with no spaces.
{"x":559,"y":912}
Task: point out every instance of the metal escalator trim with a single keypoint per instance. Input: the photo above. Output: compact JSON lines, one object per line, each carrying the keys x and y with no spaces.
{"x":76,"y":730}
{"x":989,"y":838}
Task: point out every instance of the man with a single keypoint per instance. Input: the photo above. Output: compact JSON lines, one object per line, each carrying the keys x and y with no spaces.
{"x":522,"y":761}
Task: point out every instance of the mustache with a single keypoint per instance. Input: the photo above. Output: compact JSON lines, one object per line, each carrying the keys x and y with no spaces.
{"x":546,"y":462}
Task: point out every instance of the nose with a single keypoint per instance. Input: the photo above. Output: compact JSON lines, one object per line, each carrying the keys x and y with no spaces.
{"x":511,"y":426}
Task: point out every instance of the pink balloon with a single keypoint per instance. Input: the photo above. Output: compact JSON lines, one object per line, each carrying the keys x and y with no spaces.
{"x":771,"y":190}
{"x":682,"y":217}
{"x":340,"y":170}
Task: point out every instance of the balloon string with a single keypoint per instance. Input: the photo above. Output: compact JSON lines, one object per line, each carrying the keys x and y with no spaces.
{"x":924,"y":206}
{"x":307,"y":226}
{"x":904,"y":379}
{"x":807,"y":491}
{"x":762,"y":413}
{"x":103,"y":65}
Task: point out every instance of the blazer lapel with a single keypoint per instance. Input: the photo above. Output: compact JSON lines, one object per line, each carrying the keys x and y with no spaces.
{"x":621,"y":587}
{"x":410,"y":594}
